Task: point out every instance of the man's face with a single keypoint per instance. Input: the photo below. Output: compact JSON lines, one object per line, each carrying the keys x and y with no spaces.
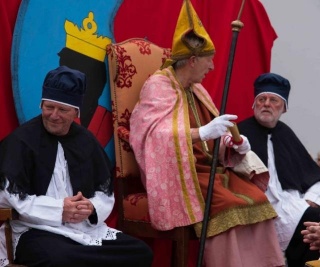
{"x":57,"y":117}
{"x":268,"y":109}
{"x":202,"y":66}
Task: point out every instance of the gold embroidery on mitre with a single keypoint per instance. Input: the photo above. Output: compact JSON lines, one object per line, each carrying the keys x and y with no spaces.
{"x":85,"y":40}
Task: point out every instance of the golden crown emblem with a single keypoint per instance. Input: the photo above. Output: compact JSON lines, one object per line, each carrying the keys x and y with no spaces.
{"x":85,"y":40}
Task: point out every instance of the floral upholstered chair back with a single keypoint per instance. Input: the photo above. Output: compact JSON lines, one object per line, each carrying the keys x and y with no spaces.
{"x":130,"y":64}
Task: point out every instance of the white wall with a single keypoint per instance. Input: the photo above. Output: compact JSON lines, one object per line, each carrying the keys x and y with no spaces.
{"x":296,"y":56}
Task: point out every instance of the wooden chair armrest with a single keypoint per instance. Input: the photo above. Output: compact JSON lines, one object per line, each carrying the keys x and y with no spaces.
{"x":8,"y":213}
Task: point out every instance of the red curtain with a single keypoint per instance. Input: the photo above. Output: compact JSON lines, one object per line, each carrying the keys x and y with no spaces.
{"x":156,"y":21}
{"x":8,"y":117}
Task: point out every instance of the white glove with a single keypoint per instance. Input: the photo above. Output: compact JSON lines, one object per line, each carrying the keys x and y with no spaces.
{"x":242,"y":148}
{"x":217,"y":127}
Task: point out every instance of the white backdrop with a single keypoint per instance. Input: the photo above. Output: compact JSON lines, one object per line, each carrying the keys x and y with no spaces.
{"x":296,"y":56}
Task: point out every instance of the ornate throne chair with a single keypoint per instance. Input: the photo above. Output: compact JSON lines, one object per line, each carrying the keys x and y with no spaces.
{"x":130,"y":63}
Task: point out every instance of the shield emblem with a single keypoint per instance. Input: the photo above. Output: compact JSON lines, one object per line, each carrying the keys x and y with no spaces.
{"x":71,"y":33}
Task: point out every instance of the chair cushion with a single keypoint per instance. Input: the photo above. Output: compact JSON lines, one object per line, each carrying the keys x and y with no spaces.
{"x":135,"y":207}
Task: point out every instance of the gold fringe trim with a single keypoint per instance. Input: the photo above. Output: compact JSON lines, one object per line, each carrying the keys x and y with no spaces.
{"x":237,"y":216}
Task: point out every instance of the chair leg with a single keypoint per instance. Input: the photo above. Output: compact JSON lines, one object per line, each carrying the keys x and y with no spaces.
{"x":180,"y":253}
{"x":8,"y":235}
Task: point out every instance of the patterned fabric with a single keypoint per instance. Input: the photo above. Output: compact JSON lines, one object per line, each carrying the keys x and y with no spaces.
{"x":123,"y":133}
{"x":174,"y":194}
{"x":128,"y":72}
{"x":176,"y":184}
{"x":136,"y":207}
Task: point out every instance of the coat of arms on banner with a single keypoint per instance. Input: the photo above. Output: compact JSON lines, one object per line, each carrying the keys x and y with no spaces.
{"x":71,"y":33}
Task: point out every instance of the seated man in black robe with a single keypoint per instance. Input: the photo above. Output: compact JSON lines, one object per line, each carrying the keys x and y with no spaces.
{"x":59,"y":179}
{"x":294,"y":187}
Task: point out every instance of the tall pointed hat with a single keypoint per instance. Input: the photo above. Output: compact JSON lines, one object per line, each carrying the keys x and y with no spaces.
{"x":189,"y":23}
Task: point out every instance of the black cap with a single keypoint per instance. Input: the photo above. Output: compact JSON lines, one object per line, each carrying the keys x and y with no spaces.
{"x":272,"y":83}
{"x":64,"y":85}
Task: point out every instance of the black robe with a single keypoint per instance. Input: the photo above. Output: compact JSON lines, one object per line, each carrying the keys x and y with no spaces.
{"x":295,"y":167}
{"x":28,"y":155}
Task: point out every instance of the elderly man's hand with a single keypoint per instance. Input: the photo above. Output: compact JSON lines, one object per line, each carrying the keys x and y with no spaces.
{"x":76,"y":209}
{"x":311,"y":235}
{"x":217,"y":127}
{"x":242,"y":148}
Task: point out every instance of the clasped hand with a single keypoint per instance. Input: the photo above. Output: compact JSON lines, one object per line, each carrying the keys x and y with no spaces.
{"x":76,"y":209}
{"x":311,"y":235}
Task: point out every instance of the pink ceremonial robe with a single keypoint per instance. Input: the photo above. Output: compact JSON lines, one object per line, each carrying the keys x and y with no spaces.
{"x":161,"y":140}
{"x":176,"y":183}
